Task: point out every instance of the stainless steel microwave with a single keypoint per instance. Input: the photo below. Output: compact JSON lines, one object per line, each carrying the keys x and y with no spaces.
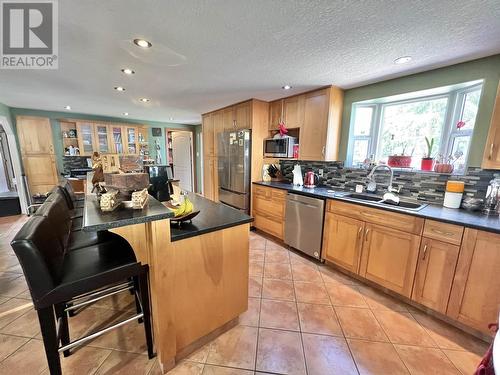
{"x":279,"y":147}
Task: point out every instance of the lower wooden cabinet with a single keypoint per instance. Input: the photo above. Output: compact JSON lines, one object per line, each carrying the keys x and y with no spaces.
{"x":209,"y":177}
{"x":435,"y":270}
{"x":342,"y":241}
{"x":475,"y":295}
{"x":268,"y":210}
{"x":389,"y":258}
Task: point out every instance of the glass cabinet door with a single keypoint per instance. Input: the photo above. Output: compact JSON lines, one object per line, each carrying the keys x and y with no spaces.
{"x":132,"y":140}
{"x":86,"y":138}
{"x":102,"y":138}
{"x":117,"y":139}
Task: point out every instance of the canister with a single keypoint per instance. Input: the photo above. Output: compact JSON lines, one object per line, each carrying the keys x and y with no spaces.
{"x":453,"y":194}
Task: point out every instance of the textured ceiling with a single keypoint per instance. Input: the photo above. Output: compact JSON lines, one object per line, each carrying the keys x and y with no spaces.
{"x":208,"y":53}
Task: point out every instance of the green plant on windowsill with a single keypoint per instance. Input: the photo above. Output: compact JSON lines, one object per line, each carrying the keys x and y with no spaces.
{"x":428,"y":161}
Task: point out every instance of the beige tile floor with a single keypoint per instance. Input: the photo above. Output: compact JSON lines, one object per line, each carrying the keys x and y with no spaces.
{"x":302,"y":318}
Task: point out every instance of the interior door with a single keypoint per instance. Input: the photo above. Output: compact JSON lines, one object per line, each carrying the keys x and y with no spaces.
{"x":181,"y":145}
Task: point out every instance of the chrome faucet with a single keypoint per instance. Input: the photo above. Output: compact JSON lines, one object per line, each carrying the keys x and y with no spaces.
{"x":372,"y":185}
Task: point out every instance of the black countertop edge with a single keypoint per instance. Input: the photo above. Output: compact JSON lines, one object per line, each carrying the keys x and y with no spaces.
{"x":474,"y":220}
{"x":95,"y":220}
{"x":213,"y":216}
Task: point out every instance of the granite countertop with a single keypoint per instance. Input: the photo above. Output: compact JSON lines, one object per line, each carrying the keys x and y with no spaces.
{"x":469,"y":219}
{"x":94,"y":219}
{"x":212,"y":217}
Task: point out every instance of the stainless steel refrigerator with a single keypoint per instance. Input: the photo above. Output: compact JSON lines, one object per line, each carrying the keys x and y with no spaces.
{"x":234,"y":168}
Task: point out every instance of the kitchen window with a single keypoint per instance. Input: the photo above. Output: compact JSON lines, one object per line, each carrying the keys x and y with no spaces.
{"x":398,"y":126}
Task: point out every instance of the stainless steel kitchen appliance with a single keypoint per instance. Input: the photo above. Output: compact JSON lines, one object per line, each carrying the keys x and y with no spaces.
{"x":279,"y":147}
{"x":234,"y":168}
{"x":304,"y":223}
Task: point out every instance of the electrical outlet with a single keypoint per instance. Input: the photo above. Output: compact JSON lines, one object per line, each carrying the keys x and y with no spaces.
{"x":320,"y":172}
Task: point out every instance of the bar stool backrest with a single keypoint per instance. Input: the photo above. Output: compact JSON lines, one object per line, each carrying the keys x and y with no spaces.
{"x":57,"y":212}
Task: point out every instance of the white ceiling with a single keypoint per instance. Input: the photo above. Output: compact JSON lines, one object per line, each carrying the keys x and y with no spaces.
{"x":210,"y":53}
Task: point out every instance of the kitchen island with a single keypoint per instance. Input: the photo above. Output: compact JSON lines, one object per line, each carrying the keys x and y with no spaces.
{"x":198,"y":272}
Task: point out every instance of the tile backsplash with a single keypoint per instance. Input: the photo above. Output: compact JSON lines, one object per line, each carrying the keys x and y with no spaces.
{"x":415,"y":185}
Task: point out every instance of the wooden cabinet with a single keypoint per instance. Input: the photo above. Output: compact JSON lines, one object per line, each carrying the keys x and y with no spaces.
{"x":389,"y":258}
{"x":208,"y":135}
{"x":491,"y":157}
{"x":103,"y":138}
{"x":314,"y":129}
{"x":342,"y":241}
{"x":209,"y":172}
{"x":269,"y":210}
{"x":435,"y":270}
{"x":86,"y":138}
{"x":475,"y":295}
{"x":228,"y":121}
{"x":132,"y":140}
{"x":117,"y":138}
{"x":242,"y":116}
{"x":293,"y":108}
{"x":275,"y":114}
{"x":37,"y":153}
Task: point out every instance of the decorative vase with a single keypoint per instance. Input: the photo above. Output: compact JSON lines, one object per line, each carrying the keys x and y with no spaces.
{"x":427,"y":164}
{"x":443,"y":168}
{"x":399,"y":161}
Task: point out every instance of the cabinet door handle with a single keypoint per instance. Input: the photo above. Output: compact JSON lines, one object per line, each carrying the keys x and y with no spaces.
{"x":425,"y":252}
{"x":323,"y":151}
{"x":366,"y":234}
{"x":442,"y":232}
{"x":360,"y":231}
{"x":491,"y":151}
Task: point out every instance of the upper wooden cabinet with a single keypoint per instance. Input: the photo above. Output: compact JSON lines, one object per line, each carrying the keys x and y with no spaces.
{"x":243,"y":115}
{"x":491,"y":157}
{"x":275,"y":114}
{"x":475,"y":295}
{"x":208,"y":134}
{"x":342,"y":241}
{"x":117,"y":139}
{"x":103,"y":138}
{"x":435,"y":270}
{"x":315,"y":127}
{"x":293,"y":108}
{"x":86,"y":138}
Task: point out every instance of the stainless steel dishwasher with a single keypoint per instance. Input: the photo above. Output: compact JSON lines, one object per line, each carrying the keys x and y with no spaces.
{"x":304,"y":223}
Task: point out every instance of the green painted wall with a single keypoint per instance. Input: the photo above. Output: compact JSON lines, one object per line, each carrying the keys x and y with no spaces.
{"x":57,"y":136}
{"x":5,"y":111}
{"x":487,"y":68}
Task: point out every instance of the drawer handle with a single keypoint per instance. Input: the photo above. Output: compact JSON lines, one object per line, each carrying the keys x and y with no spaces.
{"x":425,"y":252}
{"x":491,"y":151}
{"x":441,"y":232}
{"x":366,"y":234}
{"x":360,"y":231}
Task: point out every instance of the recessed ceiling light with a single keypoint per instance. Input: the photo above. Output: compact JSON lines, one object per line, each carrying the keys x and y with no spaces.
{"x":144,"y":100}
{"x":125,"y":113}
{"x":402,"y":60}
{"x":119,"y":88}
{"x":68,"y":108}
{"x":128,"y":71}
{"x":286,"y":87}
{"x":143,"y":43}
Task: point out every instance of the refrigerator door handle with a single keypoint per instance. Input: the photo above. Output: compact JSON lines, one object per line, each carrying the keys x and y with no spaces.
{"x":232,"y":191}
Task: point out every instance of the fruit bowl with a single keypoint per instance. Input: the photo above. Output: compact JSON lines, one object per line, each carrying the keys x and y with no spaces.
{"x":183,"y":218}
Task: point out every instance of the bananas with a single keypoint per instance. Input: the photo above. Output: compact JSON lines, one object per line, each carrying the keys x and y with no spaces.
{"x":185,"y":208}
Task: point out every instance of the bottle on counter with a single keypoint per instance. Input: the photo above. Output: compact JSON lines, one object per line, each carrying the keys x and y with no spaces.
{"x":454,"y":193}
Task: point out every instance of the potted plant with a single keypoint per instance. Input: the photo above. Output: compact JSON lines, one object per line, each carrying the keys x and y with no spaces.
{"x":446,"y":164}
{"x":400,"y":161}
{"x":428,"y":161}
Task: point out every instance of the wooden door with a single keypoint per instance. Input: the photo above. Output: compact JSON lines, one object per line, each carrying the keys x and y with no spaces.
{"x":389,"y":258}
{"x":182,"y":157}
{"x":342,"y":241}
{"x":208,"y":177}
{"x":117,"y":133}
{"x":313,"y":133}
{"x":275,"y":114}
{"x":37,"y":153}
{"x":243,"y":115}
{"x":103,"y":138}
{"x":435,"y":270}
{"x":86,"y":138}
{"x":228,"y":119}
{"x":35,"y":135}
{"x":131,"y":140}
{"x":294,"y":111}
{"x":491,"y":157}
{"x":208,"y":134}
{"x":475,"y":295}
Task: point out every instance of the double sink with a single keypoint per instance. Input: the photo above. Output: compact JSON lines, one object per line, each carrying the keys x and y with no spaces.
{"x":376,"y":200}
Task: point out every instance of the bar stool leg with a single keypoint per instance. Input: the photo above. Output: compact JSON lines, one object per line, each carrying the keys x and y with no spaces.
{"x":64,"y":334}
{"x":135,"y":291}
{"x":144,"y":292}
{"x":49,"y":334}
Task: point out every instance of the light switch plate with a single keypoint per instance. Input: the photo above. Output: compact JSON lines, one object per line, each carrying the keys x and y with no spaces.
{"x":320,"y":172}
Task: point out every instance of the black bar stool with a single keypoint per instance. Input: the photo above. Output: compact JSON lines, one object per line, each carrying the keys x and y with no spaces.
{"x":61,"y":280}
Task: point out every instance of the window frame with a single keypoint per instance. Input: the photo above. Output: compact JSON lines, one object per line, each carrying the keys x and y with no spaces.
{"x":456,"y":99}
